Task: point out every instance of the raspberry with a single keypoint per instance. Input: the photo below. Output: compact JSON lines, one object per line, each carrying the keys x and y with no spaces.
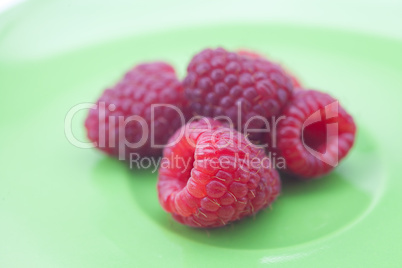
{"x":255,"y":55}
{"x":131,"y":99}
{"x":311,"y":117}
{"x":212,"y":176}
{"x":221,"y":83}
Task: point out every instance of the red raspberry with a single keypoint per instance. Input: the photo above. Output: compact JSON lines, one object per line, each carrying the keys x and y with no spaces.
{"x":212,"y":175}
{"x":255,"y":55}
{"x":133,"y":95}
{"x":222,"y":83}
{"x":313,"y":116}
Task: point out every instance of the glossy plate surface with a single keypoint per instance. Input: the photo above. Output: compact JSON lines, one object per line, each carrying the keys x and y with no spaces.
{"x":70,"y":207}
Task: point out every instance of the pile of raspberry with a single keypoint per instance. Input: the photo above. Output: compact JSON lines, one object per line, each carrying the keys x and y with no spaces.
{"x":225,"y":132}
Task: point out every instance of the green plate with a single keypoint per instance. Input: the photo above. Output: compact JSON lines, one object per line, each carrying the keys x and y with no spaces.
{"x":64,"y":206}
